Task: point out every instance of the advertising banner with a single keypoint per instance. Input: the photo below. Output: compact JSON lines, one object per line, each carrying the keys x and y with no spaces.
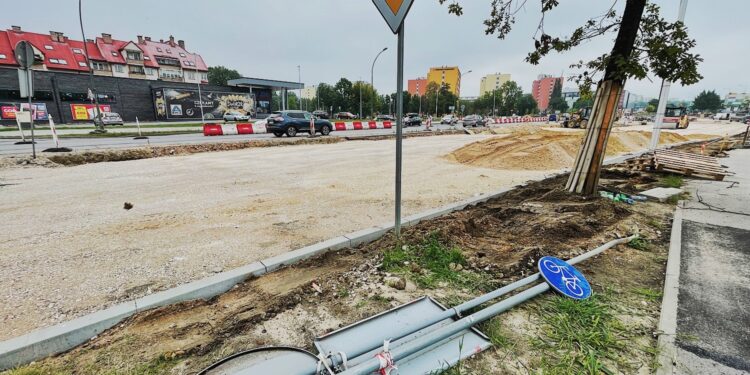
{"x":173,"y":104}
{"x":86,"y":111}
{"x":8,"y":110}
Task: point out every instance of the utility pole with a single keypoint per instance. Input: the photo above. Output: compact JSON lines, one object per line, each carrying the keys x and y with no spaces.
{"x":372,"y":78}
{"x":360,"y":98}
{"x":97,"y":115}
{"x":664,"y":92}
{"x":299,"y":75}
{"x":200,"y":97}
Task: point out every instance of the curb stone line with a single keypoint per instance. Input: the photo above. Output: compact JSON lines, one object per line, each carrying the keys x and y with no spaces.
{"x":667,"y":329}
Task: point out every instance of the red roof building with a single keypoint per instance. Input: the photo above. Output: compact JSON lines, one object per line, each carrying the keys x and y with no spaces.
{"x":111,"y":57}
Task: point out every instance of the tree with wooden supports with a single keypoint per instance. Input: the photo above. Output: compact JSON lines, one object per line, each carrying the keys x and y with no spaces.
{"x":645,"y":44}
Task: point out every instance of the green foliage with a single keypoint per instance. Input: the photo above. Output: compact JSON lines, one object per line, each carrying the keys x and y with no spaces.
{"x":652,"y":104}
{"x":583,"y":103}
{"x":556,"y":101}
{"x":440,"y":95}
{"x":661,"y":48}
{"x":527,"y":105}
{"x":649,"y":294}
{"x":671,"y":181}
{"x":639,"y":243}
{"x":431,"y":262}
{"x":578,"y":336}
{"x":708,"y":101}
{"x":219,"y":75}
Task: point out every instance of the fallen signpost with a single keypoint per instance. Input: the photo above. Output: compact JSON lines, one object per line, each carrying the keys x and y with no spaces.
{"x":416,"y":338}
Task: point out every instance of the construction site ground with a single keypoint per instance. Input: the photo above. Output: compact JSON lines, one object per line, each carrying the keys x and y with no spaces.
{"x":79,"y":250}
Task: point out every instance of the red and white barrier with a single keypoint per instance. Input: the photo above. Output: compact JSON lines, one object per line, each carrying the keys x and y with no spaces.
{"x":258,"y":127}
{"x":516,"y":119}
{"x":361,"y":125}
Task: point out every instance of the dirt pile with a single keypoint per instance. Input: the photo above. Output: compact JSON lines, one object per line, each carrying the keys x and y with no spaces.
{"x":547,"y":149}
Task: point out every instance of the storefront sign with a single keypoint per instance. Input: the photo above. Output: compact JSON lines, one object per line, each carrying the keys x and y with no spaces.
{"x":82,"y":112}
{"x":8,"y":110}
{"x":171,"y":104}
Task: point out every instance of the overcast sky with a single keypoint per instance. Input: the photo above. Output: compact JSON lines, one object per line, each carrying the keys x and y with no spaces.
{"x":339,"y":38}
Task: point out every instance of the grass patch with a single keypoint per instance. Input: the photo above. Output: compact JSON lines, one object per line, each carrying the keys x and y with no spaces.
{"x":639,"y":243}
{"x":578,"y":337}
{"x":658,"y":224}
{"x":494,"y":329}
{"x":671,"y":181}
{"x":649,"y":294}
{"x":431,"y":262}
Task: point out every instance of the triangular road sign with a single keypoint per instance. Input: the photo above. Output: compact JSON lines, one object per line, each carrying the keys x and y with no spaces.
{"x":393,"y":11}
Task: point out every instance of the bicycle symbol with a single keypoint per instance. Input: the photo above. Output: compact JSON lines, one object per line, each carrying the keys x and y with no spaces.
{"x":567,"y":276}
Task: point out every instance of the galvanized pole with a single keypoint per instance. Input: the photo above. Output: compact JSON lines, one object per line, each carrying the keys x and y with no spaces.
{"x":31,"y":113}
{"x":399,"y":124}
{"x":372,"y":78}
{"x":100,"y":126}
{"x":200,"y":97}
{"x":664,"y":92}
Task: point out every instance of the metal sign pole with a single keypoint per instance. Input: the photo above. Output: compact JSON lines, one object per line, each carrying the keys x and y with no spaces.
{"x":31,"y":113}
{"x":399,"y":124}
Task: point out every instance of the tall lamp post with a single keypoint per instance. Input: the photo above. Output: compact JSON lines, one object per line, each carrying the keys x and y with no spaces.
{"x":458,"y":97}
{"x":200,"y":97}
{"x":299,"y":80}
{"x":99,"y":126}
{"x":372,"y":77}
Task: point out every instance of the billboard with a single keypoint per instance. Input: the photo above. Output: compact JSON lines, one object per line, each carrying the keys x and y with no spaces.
{"x":183,"y":104}
{"x":8,"y":110}
{"x":82,"y":112}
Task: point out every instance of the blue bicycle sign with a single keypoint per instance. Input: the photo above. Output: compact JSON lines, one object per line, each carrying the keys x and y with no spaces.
{"x":564,"y":278}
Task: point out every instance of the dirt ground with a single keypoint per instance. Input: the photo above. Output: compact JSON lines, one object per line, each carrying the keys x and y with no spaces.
{"x":548,"y":149}
{"x":499,"y":241}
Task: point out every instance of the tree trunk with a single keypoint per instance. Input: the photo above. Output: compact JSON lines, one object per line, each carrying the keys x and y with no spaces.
{"x":584,"y":177}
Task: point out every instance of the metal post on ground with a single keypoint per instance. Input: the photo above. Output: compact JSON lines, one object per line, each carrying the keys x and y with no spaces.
{"x":399,"y":124}
{"x":372,"y":79}
{"x":31,"y":112}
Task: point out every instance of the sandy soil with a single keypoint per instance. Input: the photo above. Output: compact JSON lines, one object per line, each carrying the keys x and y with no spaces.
{"x":546,"y":149}
{"x":68,"y":247}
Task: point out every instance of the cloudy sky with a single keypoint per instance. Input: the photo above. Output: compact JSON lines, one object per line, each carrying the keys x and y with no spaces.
{"x":330,"y":39}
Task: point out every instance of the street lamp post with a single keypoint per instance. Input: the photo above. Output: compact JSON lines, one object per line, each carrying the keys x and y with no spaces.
{"x":99,"y":126}
{"x":299,"y":80}
{"x":372,"y":77}
{"x":200,"y":97}
{"x":360,"y":97}
{"x":458,"y":97}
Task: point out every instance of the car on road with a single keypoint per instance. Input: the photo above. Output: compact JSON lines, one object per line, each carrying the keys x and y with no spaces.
{"x":321,"y":114}
{"x":412,"y":119}
{"x":235,"y":116}
{"x":385,"y":118}
{"x":721,"y":116}
{"x":449,"y":119}
{"x":109,"y":118}
{"x":293,"y":122}
{"x":345,"y":116}
{"x":552,"y":117}
{"x":737,"y":116}
{"x":474,"y":120}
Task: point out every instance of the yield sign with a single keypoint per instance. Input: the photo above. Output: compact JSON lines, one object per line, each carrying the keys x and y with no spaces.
{"x":393,"y":11}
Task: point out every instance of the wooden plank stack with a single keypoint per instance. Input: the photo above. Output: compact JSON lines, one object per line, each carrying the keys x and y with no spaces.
{"x":688,"y":164}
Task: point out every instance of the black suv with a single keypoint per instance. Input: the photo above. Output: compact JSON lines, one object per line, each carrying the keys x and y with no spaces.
{"x":412,"y":119}
{"x":293,"y":122}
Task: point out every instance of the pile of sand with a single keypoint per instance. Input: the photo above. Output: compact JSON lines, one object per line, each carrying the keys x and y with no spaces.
{"x":549,"y":150}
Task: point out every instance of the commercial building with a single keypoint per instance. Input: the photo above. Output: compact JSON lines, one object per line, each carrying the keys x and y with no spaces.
{"x":541,"y":89}
{"x":492,"y":82}
{"x":446,"y":75}
{"x":417,"y":86}
{"x":147,"y":80}
{"x":570,"y":95}
{"x":736,"y":100}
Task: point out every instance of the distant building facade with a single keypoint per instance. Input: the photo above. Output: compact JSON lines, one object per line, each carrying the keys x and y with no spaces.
{"x":570,"y":95}
{"x":448,"y":75}
{"x":541,"y":89}
{"x":142,"y":59}
{"x":417,"y":86}
{"x":310,"y":92}
{"x":492,"y":82}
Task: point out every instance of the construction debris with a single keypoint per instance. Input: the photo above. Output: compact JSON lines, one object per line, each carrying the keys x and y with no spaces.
{"x":683,"y":163}
{"x":662,"y":194}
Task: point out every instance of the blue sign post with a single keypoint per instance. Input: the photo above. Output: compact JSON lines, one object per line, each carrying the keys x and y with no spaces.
{"x":564,"y":278}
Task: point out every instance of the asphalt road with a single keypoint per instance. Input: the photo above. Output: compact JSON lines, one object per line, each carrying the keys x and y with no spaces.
{"x":714,"y":291}
{"x":8,"y":146}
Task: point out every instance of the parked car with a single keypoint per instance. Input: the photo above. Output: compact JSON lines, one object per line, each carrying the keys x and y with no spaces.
{"x":412,"y":119}
{"x":235,"y":116}
{"x":345,"y":116}
{"x":293,"y":122}
{"x":721,"y":116}
{"x":474,"y":120}
{"x":109,"y":118}
{"x":738,"y":116}
{"x":385,"y":118}
{"x":321,"y":114}
{"x":552,"y":118}
{"x":448,"y":119}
